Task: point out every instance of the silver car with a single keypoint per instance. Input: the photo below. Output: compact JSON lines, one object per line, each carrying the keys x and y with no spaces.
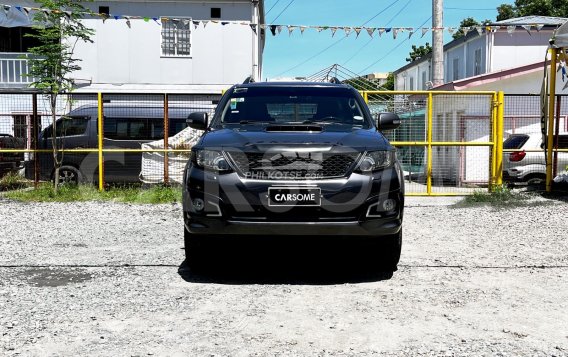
{"x":524,"y":160}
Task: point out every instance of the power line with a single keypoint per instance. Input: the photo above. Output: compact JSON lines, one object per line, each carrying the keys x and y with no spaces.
{"x":462,"y":8}
{"x":392,"y":50}
{"x":336,"y":42}
{"x":281,"y":12}
{"x":272,"y":7}
{"x":380,"y":12}
{"x":369,"y":42}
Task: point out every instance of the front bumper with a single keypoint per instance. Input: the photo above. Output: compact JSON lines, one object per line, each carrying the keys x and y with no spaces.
{"x":350,"y":206}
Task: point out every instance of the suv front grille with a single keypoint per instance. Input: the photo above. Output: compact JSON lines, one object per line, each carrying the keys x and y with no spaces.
{"x":292,"y":165}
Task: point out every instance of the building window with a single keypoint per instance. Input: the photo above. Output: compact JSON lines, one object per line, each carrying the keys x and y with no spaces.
{"x":105,"y":10}
{"x":477,"y":63}
{"x":215,"y":12}
{"x":456,"y":69}
{"x":411,"y":84}
{"x":176,"y":39}
{"x":424,"y":80}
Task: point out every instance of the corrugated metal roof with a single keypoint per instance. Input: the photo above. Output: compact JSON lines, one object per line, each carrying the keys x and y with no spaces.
{"x":529,"y":20}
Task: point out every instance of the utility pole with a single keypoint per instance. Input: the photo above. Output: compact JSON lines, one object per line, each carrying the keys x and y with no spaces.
{"x":437,"y":42}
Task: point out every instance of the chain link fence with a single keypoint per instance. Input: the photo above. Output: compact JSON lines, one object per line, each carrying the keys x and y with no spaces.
{"x":446,"y":141}
{"x":524,"y":159}
{"x":145,"y":136}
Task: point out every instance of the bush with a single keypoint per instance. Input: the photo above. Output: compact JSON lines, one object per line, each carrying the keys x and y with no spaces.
{"x":12,"y":181}
{"x":500,"y":196}
{"x":73,"y":193}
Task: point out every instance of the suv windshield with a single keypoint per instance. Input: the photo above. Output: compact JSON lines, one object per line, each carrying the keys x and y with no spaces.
{"x":515,"y":141}
{"x":335,"y":106}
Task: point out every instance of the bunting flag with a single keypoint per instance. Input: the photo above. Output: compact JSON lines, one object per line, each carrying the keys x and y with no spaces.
{"x":357,"y":31}
{"x":276,"y":29}
{"x":290,"y":30}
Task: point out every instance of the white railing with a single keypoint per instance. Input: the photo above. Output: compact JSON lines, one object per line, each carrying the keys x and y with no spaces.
{"x":14,"y":70}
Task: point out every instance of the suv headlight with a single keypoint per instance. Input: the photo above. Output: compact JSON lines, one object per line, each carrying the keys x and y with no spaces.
{"x":375,"y":160}
{"x":211,"y":159}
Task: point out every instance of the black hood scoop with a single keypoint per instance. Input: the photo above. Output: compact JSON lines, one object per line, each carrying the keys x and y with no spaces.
{"x":293,"y":128}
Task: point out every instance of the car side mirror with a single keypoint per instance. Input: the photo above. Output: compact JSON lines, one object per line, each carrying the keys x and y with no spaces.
{"x":198,"y":120}
{"x":387,"y":121}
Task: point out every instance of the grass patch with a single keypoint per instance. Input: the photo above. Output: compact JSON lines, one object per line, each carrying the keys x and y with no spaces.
{"x":501,"y":196}
{"x":72,"y":193}
{"x":13,"y":181}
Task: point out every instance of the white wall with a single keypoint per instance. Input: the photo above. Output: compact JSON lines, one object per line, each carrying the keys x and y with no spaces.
{"x":131,"y":57}
{"x":519,"y":49}
{"x":402,"y":79}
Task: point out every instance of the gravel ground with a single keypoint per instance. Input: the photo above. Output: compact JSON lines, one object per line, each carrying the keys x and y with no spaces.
{"x":108,"y":279}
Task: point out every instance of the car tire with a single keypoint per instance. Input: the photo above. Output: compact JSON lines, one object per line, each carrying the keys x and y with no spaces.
{"x":194,"y":250}
{"x":69,"y":175}
{"x":536,"y":180}
{"x":391,"y":248}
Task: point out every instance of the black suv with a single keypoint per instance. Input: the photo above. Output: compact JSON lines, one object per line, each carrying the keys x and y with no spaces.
{"x":293,"y":159}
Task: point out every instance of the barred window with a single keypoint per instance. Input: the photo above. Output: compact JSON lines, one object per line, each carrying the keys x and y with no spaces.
{"x":176,"y":39}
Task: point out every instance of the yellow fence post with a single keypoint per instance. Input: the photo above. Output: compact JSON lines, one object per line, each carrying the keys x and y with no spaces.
{"x":366,"y":96}
{"x":551,"y":115}
{"x":493,"y":158}
{"x":499,"y":138}
{"x":100,"y":143}
{"x":429,"y":140}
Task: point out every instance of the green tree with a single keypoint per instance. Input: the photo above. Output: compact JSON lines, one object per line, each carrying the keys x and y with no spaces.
{"x":556,"y":8}
{"x":418,"y":52}
{"x":467,"y":22}
{"x":58,"y":31}
{"x":389,"y":84}
{"x":505,"y":12}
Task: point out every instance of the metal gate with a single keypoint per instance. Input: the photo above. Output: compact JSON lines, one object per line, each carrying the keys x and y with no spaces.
{"x":449,"y":143}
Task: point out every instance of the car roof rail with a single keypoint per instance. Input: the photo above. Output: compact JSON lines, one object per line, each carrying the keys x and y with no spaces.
{"x":334,"y":80}
{"x":249,"y":80}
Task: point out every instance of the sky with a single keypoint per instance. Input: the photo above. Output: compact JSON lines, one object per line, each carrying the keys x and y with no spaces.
{"x":299,"y":54}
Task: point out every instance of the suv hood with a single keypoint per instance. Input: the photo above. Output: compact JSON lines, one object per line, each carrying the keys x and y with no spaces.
{"x":358,"y":139}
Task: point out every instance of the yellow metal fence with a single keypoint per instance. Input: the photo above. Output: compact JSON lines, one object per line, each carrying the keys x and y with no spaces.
{"x":449,"y":143}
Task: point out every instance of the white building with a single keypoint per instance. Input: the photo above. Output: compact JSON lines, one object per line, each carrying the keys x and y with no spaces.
{"x":191,"y":46}
{"x":505,"y":57}
{"x":507,"y":45}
